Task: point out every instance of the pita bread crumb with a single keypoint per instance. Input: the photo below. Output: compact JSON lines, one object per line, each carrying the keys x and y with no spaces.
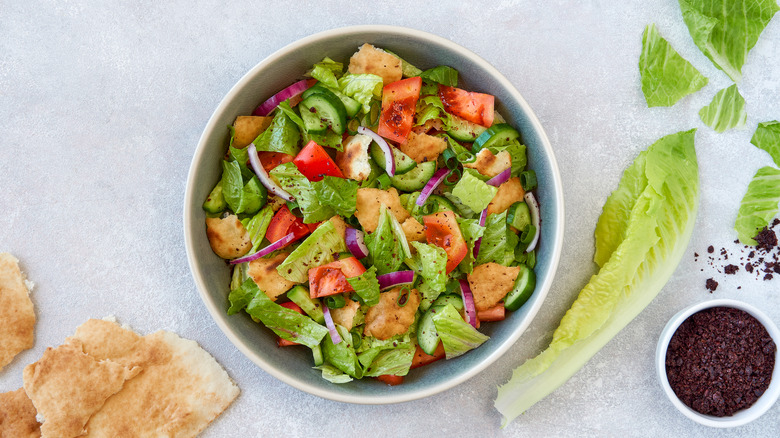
{"x":67,"y":387}
{"x":180,"y":391}
{"x":16,"y":310}
{"x":17,"y":416}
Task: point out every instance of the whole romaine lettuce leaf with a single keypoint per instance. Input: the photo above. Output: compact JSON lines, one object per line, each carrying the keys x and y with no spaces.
{"x":767,"y":137}
{"x":726,"y":30}
{"x":759,"y":205}
{"x":666,"y":76}
{"x":318,"y":249}
{"x":726,"y":111}
{"x":655,"y":235}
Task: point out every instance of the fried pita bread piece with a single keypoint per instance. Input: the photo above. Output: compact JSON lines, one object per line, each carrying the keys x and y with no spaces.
{"x":17,"y":416}
{"x":181,"y":390}
{"x":16,"y":311}
{"x":67,"y":387}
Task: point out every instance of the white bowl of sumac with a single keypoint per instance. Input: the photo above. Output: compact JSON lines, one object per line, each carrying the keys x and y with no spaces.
{"x":716,"y":362}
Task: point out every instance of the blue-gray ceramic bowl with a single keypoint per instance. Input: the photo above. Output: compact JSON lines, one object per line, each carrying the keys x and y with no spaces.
{"x":292,"y":365}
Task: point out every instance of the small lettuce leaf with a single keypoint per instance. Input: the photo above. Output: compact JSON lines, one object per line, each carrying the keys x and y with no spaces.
{"x":457,"y":336}
{"x":291,"y":179}
{"x":430,"y":262}
{"x":282,"y":136}
{"x":726,"y":30}
{"x":495,"y":246}
{"x":340,"y":194}
{"x":666,"y":76}
{"x":361,"y":87}
{"x":726,"y":111}
{"x":257,"y":225}
{"x":286,"y":323}
{"x":759,"y":205}
{"x":366,"y":286}
{"x":394,"y":361}
{"x":471,"y":232}
{"x":387,"y":245}
{"x":241,"y":296}
{"x":241,"y":198}
{"x":655,"y":234}
{"x":342,"y":355}
{"x":441,"y":75}
{"x":516,"y":152}
{"x":327,"y":71}
{"x":318,"y":249}
{"x":473,"y":192}
{"x":285,"y":108}
{"x":767,"y":137}
{"x":333,"y":374}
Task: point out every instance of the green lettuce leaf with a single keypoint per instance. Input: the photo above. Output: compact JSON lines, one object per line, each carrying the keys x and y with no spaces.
{"x":394,"y":361}
{"x":286,"y":323}
{"x":257,"y":225}
{"x":442,"y":75}
{"x":327,"y":72}
{"x":291,"y":179}
{"x":361,"y":87}
{"x":241,"y":198}
{"x":726,"y":30}
{"x":759,"y":205}
{"x":241,"y":296}
{"x":471,"y":231}
{"x":431,"y":108}
{"x":366,"y":286}
{"x":767,"y":137}
{"x":726,"y":111}
{"x":495,"y":246}
{"x":327,"y":139}
{"x":430,"y":262}
{"x":473,"y":192}
{"x":516,"y":152}
{"x":387,"y":245}
{"x":294,"y":117}
{"x":340,"y":194}
{"x":457,"y":336}
{"x":656,"y":233}
{"x":342,"y":355}
{"x":333,"y":374}
{"x":666,"y":76}
{"x":318,"y":249}
{"x":282,"y":136}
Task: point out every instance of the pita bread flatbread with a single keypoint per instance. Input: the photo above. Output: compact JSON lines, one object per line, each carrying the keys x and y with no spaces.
{"x":180,"y":391}
{"x":16,"y":311}
{"x":68,"y":386}
{"x":17,"y":416}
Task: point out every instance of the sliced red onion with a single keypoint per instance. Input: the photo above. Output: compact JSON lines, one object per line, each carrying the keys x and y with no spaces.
{"x":482,"y":220}
{"x":431,"y":185}
{"x":334,"y":334}
{"x":536,"y":220}
{"x":395,"y":279}
{"x":468,"y":303}
{"x":293,"y":90}
{"x":386,"y":150}
{"x":265,"y":251}
{"x":500,"y":178}
{"x":262,"y":175}
{"x":355,"y":243}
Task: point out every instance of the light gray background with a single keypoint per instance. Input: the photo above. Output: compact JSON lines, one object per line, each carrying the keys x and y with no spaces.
{"x":101,"y":108}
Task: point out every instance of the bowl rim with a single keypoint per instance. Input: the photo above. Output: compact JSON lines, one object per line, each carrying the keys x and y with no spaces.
{"x":556,"y":189}
{"x":742,"y":417}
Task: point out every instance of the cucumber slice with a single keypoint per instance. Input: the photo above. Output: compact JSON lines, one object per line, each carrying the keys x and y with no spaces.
{"x":523,"y":289}
{"x":455,"y":300}
{"x":518,"y":215}
{"x":496,"y":135}
{"x":403,"y":163}
{"x":215,"y":203}
{"x":416,"y":178}
{"x":443,"y":203}
{"x":351,"y":105}
{"x":322,"y":109}
{"x":300,"y":296}
{"x":463,"y":130}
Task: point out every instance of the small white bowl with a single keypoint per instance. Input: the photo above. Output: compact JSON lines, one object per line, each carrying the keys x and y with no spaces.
{"x":744,"y":416}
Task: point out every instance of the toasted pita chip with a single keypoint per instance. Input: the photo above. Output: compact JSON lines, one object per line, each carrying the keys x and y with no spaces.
{"x":180,"y":391}
{"x":17,"y":416}
{"x":68,"y":386}
{"x":16,"y":311}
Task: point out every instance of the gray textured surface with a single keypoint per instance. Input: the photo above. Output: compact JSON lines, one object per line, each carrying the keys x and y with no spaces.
{"x":101,"y":109}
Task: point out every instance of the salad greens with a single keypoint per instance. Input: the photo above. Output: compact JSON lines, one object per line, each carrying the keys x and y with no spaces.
{"x":318,"y":249}
{"x":726,"y":111}
{"x":767,"y":137}
{"x":759,"y":205}
{"x":666,"y":76}
{"x":637,"y":257}
{"x":726,"y":30}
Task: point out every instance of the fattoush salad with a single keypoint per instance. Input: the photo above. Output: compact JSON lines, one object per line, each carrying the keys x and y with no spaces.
{"x":376,"y":214}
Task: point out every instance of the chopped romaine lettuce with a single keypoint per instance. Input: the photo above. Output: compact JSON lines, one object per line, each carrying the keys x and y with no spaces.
{"x":328,"y":139}
{"x":457,"y":336}
{"x":318,"y":249}
{"x":726,"y":30}
{"x":473,"y":192}
{"x":430,"y":262}
{"x":759,"y":205}
{"x":366,"y":286}
{"x":327,"y":72}
{"x":342,"y":355}
{"x":516,"y":152}
{"x":394,"y":361}
{"x":340,"y":194}
{"x":241,"y":198}
{"x":287,"y":109}
{"x":387,"y":245}
{"x":495,"y":246}
{"x":333,"y":374}
{"x":666,"y":76}
{"x":656,"y":234}
{"x":726,"y":111}
{"x":291,"y":179}
{"x":240,"y":296}
{"x":442,"y":74}
{"x":471,"y":232}
{"x":767,"y":137}
{"x":257,"y":225}
{"x":361,"y":87}
{"x":282,"y":136}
